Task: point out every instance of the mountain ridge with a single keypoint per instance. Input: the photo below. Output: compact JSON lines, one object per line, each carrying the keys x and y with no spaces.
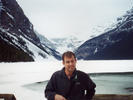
{"x":18,"y":31}
{"x":111,"y":45}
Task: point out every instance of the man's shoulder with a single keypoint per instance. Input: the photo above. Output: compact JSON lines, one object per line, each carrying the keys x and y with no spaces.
{"x":57,"y":73}
{"x":85,"y":78}
{"x":81,"y":73}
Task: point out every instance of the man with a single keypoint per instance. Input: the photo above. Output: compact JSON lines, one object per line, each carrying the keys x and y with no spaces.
{"x":70,"y":83}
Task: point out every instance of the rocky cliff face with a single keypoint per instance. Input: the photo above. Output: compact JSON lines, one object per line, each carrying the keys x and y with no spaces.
{"x":114,"y":44}
{"x":17,"y":35}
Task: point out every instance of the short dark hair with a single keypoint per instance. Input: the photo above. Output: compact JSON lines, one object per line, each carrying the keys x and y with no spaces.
{"x":68,"y":54}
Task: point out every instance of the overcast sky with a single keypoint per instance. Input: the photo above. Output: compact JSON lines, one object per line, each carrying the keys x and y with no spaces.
{"x":59,"y":18}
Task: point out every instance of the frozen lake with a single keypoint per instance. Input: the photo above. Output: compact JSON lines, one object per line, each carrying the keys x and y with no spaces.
{"x":28,"y":80}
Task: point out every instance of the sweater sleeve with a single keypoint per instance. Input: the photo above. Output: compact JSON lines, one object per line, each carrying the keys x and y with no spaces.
{"x":90,"y":89}
{"x":50,"y":89}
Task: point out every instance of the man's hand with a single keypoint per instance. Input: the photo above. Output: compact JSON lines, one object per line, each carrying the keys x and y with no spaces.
{"x":59,"y":97}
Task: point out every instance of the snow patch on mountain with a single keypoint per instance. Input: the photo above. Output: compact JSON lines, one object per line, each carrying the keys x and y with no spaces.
{"x":100,"y":29}
{"x":14,"y":39}
{"x":69,"y":43}
{"x":38,"y":54}
{"x":10,"y":16}
{"x":35,"y":50}
{"x":125,"y":16}
{"x":44,"y":41}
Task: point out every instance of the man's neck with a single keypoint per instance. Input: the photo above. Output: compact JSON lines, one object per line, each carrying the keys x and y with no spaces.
{"x":69,"y":74}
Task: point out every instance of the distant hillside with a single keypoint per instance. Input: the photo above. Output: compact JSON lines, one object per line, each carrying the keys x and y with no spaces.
{"x":114,"y":44}
{"x":18,"y":40}
{"x":67,"y":43}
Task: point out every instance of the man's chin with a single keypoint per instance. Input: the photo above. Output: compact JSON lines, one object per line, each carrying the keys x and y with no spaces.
{"x":71,"y":70}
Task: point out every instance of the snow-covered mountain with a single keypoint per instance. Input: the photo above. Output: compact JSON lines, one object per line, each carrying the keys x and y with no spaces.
{"x":45,"y":42}
{"x":18,"y":40}
{"x":116,"y":43}
{"x":66,"y":43}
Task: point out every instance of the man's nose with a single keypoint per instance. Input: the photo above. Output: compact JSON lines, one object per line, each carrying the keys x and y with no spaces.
{"x":71,"y":63}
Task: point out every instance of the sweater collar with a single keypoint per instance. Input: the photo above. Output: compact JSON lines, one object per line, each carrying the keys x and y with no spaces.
{"x":65,"y":76}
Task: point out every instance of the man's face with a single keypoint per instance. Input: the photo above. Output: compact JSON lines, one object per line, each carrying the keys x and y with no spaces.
{"x":69,"y":63}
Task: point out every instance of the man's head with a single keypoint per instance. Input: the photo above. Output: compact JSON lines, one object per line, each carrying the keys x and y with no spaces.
{"x":69,"y":61}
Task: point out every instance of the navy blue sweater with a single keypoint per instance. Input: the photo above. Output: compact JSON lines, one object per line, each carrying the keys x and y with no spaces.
{"x":82,"y":87}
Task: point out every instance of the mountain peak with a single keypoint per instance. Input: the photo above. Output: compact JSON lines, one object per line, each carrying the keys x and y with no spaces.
{"x":113,"y":44}
{"x":69,"y":43}
{"x":17,"y":33}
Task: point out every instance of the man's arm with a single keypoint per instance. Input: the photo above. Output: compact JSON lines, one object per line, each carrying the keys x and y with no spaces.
{"x":50,"y":89}
{"x":90,"y":94}
{"x":90,"y":89}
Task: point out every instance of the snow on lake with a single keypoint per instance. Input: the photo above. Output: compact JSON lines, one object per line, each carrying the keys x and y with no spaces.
{"x":14,"y":76}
